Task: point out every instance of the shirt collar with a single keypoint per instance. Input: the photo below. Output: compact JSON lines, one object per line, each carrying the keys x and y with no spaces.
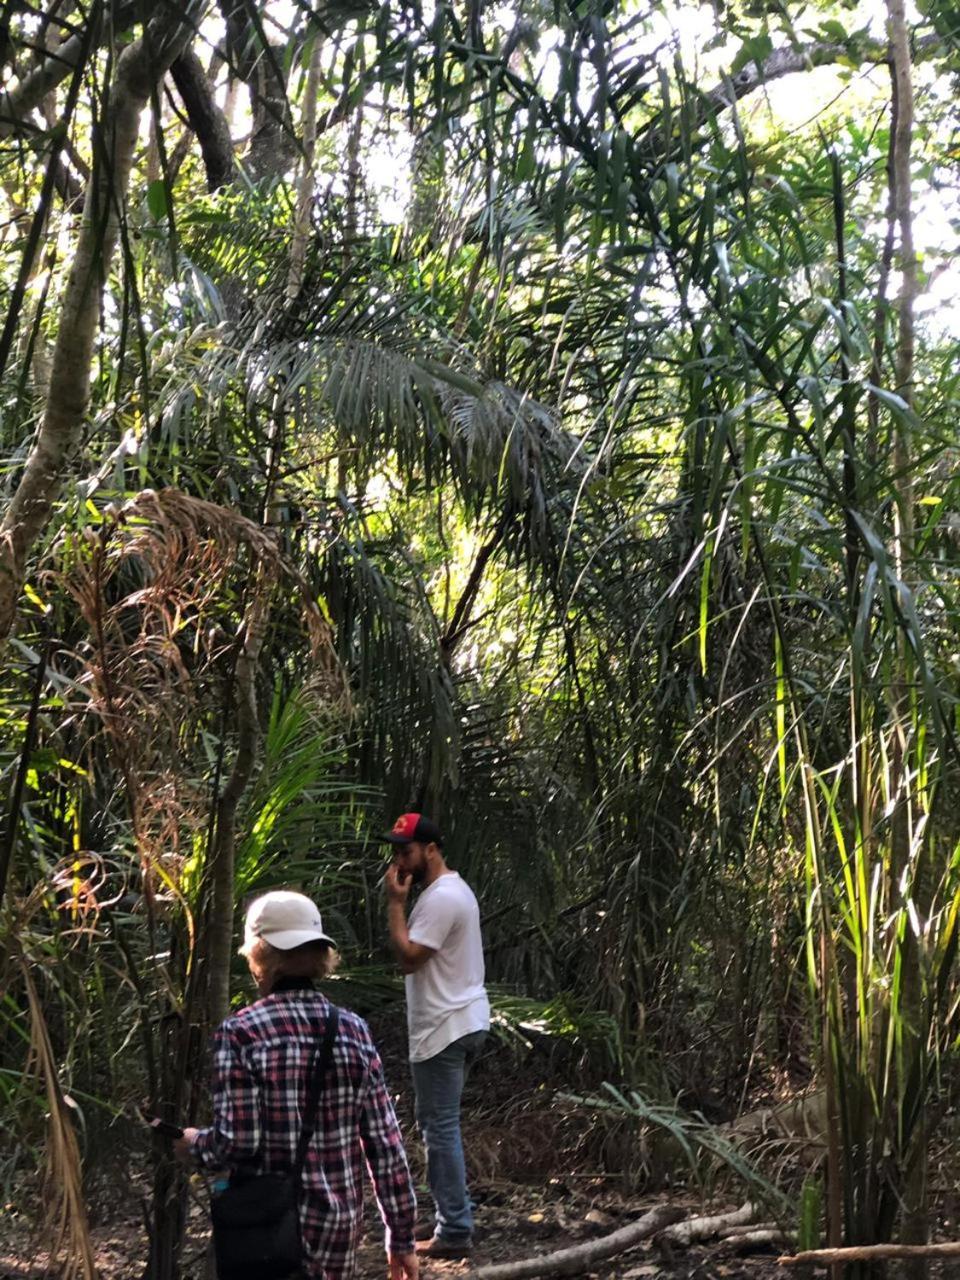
{"x":293,"y":984}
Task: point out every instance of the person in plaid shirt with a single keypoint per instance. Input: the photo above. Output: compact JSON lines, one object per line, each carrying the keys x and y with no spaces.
{"x":262,"y":1056}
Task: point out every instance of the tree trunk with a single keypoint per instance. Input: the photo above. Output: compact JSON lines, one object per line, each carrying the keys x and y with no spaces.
{"x":914,"y":1226}
{"x":222,"y":902}
{"x":258,"y":64}
{"x":139,"y":67}
{"x":305,"y":192}
{"x":207,"y":121}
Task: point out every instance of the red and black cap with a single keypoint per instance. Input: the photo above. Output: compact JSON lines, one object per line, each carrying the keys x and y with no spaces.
{"x":414,"y":826}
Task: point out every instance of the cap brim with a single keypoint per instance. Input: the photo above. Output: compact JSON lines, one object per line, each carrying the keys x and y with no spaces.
{"x":391,"y":837}
{"x":287,"y":939}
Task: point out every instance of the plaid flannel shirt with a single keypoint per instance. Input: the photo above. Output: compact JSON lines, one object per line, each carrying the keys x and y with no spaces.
{"x":262,"y":1058}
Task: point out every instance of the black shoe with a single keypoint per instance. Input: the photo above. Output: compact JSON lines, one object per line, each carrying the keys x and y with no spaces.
{"x":425,"y":1230}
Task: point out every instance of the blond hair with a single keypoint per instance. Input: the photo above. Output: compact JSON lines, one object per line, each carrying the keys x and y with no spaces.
{"x":312,"y":960}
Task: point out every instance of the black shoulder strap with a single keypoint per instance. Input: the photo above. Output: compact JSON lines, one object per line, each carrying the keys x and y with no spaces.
{"x":322,"y":1063}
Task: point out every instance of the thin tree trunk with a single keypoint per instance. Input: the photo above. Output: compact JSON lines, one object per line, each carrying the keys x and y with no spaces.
{"x":222,"y":902}
{"x":208,"y":122}
{"x":138,"y":69}
{"x":305,"y":194}
{"x":351,"y":221}
{"x":460,"y":621}
{"x":914,"y":1226}
{"x":901,"y":143}
{"x":880,"y":307}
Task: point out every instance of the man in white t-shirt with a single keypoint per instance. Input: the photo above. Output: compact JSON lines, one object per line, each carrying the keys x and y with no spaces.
{"x":448,"y":1014}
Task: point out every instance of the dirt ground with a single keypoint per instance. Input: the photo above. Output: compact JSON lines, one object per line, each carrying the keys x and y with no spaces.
{"x":515,"y":1223}
{"x":512,"y":1222}
{"x":598,"y":1179}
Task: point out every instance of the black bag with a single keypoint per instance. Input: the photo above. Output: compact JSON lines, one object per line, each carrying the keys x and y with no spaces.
{"x":256,"y":1219}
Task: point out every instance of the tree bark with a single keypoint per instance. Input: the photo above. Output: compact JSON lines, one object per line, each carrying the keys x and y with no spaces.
{"x":308,"y":179}
{"x":139,"y":67}
{"x":255,"y":61}
{"x":206,"y":119}
{"x":222,"y":862}
{"x":714,"y":1225}
{"x":17,"y":104}
{"x":914,"y":1225}
{"x":869,"y":1253}
{"x":779,"y":63}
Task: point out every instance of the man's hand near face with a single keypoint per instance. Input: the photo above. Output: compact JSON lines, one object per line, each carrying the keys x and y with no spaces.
{"x":397,"y":883}
{"x":410,"y":955}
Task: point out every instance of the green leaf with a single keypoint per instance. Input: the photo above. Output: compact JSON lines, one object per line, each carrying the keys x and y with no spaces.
{"x":157,"y":200}
{"x":753,"y":50}
{"x":834,"y":30}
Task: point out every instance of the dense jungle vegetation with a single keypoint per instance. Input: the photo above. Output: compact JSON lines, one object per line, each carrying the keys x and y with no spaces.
{"x":539,"y":414}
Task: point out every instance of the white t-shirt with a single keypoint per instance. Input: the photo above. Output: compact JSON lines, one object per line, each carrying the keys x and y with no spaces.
{"x":446,"y":997}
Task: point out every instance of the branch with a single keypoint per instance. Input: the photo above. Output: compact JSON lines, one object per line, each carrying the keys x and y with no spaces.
{"x":252,"y":57}
{"x":759,"y":1238}
{"x":581,"y":1257}
{"x":705,"y":1228}
{"x":458,"y":624}
{"x":17,"y":104}
{"x":781,"y":62}
{"x":869,"y":1253}
{"x":207,"y":120}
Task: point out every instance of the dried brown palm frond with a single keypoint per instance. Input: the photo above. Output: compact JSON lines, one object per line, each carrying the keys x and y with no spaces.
{"x":170,"y":587}
{"x":66,"y":1215}
{"x":180,"y":521}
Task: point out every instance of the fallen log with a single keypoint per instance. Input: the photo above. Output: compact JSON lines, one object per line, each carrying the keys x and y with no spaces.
{"x":706,"y":1227}
{"x":869,"y":1253}
{"x":580,"y":1257}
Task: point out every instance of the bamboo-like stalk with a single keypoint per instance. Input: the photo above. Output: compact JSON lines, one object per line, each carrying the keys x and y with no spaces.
{"x":69,"y":1230}
{"x":914,"y":1225}
{"x":221,"y":874}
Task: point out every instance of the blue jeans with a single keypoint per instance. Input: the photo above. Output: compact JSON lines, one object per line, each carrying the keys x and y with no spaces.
{"x":438,"y":1085}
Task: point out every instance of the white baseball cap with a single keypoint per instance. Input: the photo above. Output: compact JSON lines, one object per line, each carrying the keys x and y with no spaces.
{"x":285,"y":920}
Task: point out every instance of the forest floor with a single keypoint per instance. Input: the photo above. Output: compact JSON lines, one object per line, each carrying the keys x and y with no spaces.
{"x":524,"y":1222}
{"x":513,"y":1222}
{"x":544,"y":1175}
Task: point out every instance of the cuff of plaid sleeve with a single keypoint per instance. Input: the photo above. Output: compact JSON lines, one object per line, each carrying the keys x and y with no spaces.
{"x":201,"y":1150}
{"x":399,"y":1242}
